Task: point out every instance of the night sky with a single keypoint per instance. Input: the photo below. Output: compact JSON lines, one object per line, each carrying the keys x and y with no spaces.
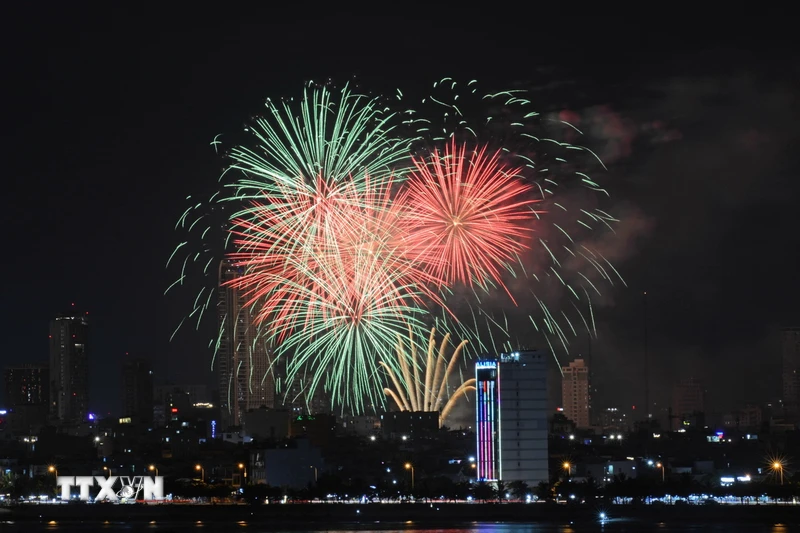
{"x":108,"y":118}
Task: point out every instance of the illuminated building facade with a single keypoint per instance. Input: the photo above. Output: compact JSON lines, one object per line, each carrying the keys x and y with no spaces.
{"x":69,"y":369}
{"x":512,"y":418}
{"x":487,"y":404}
{"x":575,"y":393}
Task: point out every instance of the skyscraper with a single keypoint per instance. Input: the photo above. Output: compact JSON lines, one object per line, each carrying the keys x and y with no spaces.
{"x":242,"y":362}
{"x":69,"y":368}
{"x":790,"y":363}
{"x":512,"y":418}
{"x":575,"y":393}
{"x":137,"y":390}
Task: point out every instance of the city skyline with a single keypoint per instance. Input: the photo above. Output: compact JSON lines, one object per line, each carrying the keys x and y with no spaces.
{"x":129,"y":150}
{"x":667,"y":412}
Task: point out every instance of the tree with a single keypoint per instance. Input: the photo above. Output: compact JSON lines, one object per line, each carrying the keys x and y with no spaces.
{"x":483,"y":491}
{"x":544,"y":491}
{"x":500,"y":490}
{"x":519,"y":489}
{"x":461,"y":490}
{"x":6,"y":482}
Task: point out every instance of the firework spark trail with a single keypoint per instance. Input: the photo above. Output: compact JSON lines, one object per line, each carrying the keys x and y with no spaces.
{"x":353,"y":308}
{"x":431,"y":392}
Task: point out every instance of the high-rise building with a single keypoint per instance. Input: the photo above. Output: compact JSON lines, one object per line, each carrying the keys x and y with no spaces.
{"x":27,"y":396}
{"x":511,"y":418}
{"x":243,"y":371}
{"x":790,"y":362}
{"x":27,"y":384}
{"x":69,"y":368}
{"x":575,"y":393}
{"x":137,"y":390}
{"x":688,"y":401}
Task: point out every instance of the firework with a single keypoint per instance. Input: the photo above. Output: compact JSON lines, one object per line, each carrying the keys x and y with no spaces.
{"x":429,"y":392}
{"x":352,"y":234}
{"x":318,"y":235}
{"x":469,"y":215}
{"x":333,"y":304}
{"x":542,"y":267}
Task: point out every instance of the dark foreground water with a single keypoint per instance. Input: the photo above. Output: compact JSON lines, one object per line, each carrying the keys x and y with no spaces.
{"x":611,"y":526}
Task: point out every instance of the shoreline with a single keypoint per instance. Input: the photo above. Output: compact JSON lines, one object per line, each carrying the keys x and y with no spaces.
{"x":407,"y":515}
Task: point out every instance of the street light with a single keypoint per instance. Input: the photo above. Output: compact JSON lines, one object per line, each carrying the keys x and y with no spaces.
{"x":244,"y":469}
{"x":568,"y":468}
{"x":107,"y":469}
{"x":202,"y":471}
{"x":153,"y":468}
{"x":53,"y":470}
{"x":661,"y":466}
{"x":777,"y":465}
{"x":409,"y":466}
{"x":316,"y":472}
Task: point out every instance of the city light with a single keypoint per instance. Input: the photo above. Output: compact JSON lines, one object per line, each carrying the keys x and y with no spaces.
{"x":487,"y":377}
{"x":409,"y":466}
{"x":777,"y":466}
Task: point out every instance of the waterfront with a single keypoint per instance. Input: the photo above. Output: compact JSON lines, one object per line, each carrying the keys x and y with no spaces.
{"x":505,"y":518}
{"x":613,"y":526}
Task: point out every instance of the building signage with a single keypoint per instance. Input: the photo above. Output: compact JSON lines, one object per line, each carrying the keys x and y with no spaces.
{"x":113,"y":488}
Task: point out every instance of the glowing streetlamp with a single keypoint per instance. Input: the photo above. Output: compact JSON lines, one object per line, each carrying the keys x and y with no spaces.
{"x":778,"y":466}
{"x":107,"y":469}
{"x":567,"y":468}
{"x":316,"y":472}
{"x":409,"y":466}
{"x":661,"y":466}
{"x":202,"y":471}
{"x":153,"y":468}
{"x":243,"y":468}
{"x":53,"y":470}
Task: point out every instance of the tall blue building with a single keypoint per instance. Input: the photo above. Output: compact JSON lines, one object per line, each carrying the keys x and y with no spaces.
{"x":511,"y":426}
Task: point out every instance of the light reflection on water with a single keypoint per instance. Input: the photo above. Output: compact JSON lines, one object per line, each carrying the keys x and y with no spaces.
{"x":611,"y":526}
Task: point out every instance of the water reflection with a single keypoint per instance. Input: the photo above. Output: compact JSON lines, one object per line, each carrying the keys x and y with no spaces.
{"x":608,"y":526}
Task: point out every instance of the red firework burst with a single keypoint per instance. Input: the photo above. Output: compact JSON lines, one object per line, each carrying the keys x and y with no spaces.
{"x":467,"y":215}
{"x":310,"y":252}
